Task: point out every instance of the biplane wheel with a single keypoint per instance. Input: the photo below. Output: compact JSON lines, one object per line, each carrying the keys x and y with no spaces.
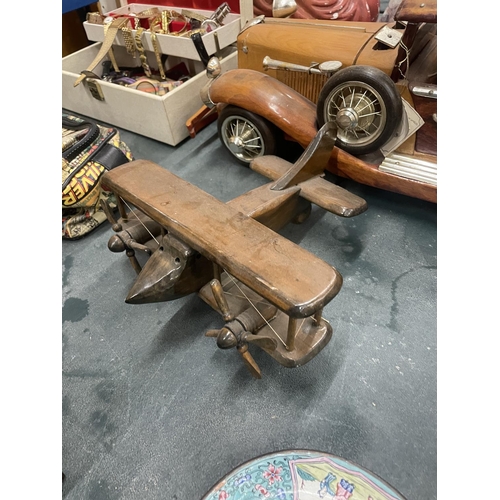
{"x":302,"y":216}
{"x":245,"y":135}
{"x":366,"y":106}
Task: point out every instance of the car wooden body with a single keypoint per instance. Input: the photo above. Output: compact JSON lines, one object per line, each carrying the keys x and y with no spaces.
{"x":281,"y":90}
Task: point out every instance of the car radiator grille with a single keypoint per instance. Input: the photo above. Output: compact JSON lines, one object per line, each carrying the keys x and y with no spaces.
{"x":309,"y":85}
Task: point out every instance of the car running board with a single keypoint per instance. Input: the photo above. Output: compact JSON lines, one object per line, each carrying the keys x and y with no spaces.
{"x":410,"y":168}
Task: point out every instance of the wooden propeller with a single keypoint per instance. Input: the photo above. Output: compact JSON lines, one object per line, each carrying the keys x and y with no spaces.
{"x":109,"y":215}
{"x":250,"y":363}
{"x":234,"y":333}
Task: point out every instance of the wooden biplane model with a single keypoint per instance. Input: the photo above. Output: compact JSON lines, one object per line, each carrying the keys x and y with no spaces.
{"x":269,"y":291}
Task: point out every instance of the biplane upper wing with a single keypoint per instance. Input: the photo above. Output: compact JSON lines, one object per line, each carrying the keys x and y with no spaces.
{"x":288,"y":276}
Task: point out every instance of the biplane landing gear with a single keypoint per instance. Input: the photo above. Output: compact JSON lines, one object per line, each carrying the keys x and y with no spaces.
{"x":302,"y":216}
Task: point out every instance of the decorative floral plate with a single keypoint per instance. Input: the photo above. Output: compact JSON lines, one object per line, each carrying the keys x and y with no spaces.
{"x":301,"y":475}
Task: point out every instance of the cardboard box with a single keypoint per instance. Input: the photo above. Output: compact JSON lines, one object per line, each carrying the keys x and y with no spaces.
{"x":160,"y":117}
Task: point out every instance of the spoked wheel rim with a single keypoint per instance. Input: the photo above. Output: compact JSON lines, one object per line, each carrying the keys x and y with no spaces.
{"x":242,"y":138}
{"x":359,"y":112}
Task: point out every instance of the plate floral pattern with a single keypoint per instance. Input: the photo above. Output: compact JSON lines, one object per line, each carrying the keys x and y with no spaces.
{"x":301,"y":475}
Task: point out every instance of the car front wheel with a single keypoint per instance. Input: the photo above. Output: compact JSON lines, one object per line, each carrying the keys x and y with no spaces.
{"x":366,"y":106}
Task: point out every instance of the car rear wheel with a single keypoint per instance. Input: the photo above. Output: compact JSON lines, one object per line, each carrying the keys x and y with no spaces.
{"x":245,"y":135}
{"x":366,"y":106}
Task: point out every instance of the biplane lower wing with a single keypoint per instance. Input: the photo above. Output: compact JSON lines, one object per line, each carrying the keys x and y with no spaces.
{"x":294,"y":280}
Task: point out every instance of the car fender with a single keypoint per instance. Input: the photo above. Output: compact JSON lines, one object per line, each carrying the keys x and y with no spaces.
{"x":267,"y":97}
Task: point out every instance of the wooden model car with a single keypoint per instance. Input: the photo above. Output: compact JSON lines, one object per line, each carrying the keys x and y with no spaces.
{"x":376,"y":81}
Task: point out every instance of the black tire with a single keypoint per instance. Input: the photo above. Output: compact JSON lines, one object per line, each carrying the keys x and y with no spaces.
{"x":246,"y":135}
{"x":360,"y":89}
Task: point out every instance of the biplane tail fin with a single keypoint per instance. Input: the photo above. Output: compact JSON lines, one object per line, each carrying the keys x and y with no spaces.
{"x":313,"y":160}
